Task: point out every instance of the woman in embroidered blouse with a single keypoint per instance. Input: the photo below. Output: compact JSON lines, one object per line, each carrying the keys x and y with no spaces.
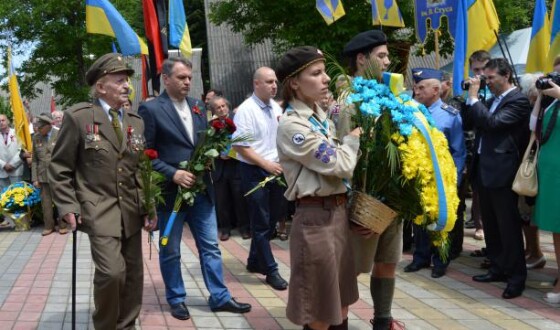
{"x":316,"y":166}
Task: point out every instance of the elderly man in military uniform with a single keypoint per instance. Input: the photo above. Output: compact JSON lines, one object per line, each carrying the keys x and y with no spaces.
{"x":427,"y":90}
{"x":43,"y":143}
{"x":95,"y":181}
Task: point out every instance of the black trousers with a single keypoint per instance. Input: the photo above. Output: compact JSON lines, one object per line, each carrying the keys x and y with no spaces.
{"x":503,"y":232}
{"x":231,"y":207}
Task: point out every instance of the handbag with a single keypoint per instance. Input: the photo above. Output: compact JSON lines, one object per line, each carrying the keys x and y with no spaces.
{"x":526,"y":182}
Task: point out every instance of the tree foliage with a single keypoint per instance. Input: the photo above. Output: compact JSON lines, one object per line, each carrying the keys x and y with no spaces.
{"x":53,"y":33}
{"x":291,"y":23}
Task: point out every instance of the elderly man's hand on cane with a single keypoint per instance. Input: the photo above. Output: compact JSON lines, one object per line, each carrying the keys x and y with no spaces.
{"x":72,"y":220}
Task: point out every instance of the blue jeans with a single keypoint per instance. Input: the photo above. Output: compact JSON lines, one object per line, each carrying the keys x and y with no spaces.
{"x":201,"y":218}
{"x":424,"y":252}
{"x":265,"y":207}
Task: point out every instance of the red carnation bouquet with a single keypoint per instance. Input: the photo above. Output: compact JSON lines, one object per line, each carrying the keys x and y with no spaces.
{"x":212,"y":142}
{"x":150,"y":182}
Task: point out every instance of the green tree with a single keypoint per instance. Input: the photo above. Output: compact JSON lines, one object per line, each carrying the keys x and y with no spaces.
{"x":53,"y":33}
{"x":294,"y":22}
{"x":5,"y":108}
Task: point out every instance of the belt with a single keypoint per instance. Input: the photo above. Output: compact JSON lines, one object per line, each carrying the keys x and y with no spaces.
{"x":326,"y":202}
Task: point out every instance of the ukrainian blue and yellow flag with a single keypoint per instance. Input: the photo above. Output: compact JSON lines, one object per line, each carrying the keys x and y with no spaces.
{"x":555,"y":32}
{"x":537,"y":58}
{"x":103,"y":18}
{"x":386,"y":12}
{"x":474,"y":30}
{"x":21,"y":124}
{"x":331,"y":10}
{"x":178,"y":29}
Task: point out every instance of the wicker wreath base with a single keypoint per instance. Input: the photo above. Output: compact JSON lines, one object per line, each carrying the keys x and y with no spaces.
{"x":369,"y":212}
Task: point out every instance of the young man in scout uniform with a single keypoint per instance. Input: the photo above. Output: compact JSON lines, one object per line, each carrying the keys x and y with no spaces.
{"x":377,"y":253}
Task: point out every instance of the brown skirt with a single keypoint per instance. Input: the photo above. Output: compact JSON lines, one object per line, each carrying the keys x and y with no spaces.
{"x":322,"y":278}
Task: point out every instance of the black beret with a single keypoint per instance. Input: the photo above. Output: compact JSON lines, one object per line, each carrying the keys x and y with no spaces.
{"x":297,"y":59}
{"x":364,"y":41}
{"x":108,"y":63}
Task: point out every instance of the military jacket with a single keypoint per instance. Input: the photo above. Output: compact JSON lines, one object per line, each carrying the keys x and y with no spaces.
{"x":42,"y":149}
{"x":93,"y":175}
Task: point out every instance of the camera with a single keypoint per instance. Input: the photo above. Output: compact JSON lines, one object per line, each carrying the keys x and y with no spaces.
{"x":543,"y":82}
{"x":465,"y":84}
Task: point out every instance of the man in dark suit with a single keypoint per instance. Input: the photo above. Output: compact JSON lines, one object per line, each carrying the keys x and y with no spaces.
{"x":502,"y":135}
{"x":95,"y":185}
{"x":173,"y":122}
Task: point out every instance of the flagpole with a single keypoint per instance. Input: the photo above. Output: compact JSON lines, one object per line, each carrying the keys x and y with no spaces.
{"x":436,"y":47}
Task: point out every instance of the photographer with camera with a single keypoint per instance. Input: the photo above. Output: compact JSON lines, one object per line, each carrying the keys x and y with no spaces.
{"x":501,"y":138}
{"x":544,"y":123}
{"x":477,"y":61}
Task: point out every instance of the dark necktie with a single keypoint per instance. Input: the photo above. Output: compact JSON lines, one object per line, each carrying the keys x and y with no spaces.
{"x":116,"y":124}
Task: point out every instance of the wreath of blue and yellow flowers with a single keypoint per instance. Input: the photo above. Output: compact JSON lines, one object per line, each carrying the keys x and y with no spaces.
{"x":405,"y":159}
{"x":19,"y":198}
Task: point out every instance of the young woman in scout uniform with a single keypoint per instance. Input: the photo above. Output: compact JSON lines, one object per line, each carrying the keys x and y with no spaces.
{"x":316,"y":166}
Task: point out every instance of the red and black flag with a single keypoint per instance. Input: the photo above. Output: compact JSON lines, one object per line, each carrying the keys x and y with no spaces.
{"x":156,"y":42}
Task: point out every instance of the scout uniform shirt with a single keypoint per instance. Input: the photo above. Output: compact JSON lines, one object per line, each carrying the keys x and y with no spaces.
{"x":314,"y":161}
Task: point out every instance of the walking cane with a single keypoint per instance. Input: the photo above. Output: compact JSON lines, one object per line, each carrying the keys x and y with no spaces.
{"x":74,"y":261}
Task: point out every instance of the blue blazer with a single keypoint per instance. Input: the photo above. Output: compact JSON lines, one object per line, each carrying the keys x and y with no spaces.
{"x":164,"y":131}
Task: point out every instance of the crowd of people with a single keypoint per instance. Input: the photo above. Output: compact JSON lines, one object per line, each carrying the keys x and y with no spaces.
{"x":86,"y":164}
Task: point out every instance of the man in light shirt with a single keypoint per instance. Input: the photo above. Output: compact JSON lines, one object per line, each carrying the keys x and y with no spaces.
{"x":258,"y":117}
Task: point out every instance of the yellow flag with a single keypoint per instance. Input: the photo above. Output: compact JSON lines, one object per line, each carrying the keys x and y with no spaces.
{"x":21,"y":124}
{"x":386,"y":13}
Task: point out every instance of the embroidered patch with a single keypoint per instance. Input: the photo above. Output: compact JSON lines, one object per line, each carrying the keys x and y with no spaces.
{"x":298,"y":138}
{"x":325,"y":153}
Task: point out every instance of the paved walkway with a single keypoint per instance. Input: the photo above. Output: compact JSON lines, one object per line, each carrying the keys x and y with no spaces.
{"x":35,"y":287}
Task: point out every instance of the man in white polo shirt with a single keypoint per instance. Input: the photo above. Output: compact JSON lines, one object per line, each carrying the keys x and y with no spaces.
{"x":258,"y":116}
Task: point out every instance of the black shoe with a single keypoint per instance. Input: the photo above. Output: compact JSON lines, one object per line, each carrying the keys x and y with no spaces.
{"x":414,"y":267}
{"x":488,"y":277}
{"x":276,"y":282}
{"x":180,"y":311}
{"x":246,"y":235}
{"x":438,"y":272}
{"x":513,"y":291}
{"x":469,"y":224}
{"x":224,"y":236}
{"x":233,"y":306}
{"x":253,"y":269}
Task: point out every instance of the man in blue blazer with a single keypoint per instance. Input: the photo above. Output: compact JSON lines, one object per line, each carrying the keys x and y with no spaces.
{"x":502,"y":134}
{"x":173,"y":122}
